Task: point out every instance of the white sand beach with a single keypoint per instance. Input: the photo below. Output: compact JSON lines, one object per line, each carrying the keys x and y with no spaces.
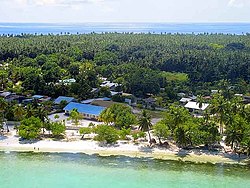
{"x":141,"y":149}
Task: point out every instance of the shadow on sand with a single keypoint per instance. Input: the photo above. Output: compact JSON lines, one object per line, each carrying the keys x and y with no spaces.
{"x":183,"y":153}
{"x":103,"y":144}
{"x":146,"y":149}
{"x":3,"y":137}
{"x":23,"y":141}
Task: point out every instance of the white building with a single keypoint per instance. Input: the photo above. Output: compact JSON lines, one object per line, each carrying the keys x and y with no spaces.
{"x":194,"y":106}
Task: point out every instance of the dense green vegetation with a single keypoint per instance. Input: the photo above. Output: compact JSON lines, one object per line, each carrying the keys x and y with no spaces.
{"x":142,"y":63}
{"x":119,"y":114}
{"x":224,"y":117}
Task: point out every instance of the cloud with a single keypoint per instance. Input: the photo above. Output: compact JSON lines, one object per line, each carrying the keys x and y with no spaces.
{"x":57,"y":2}
{"x":239,"y":3}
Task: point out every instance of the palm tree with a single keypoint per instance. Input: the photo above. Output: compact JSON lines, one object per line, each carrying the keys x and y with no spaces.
{"x":219,"y":107}
{"x":200,"y":101}
{"x":181,"y":136}
{"x":235,"y":130}
{"x":42,"y":114}
{"x":145,"y":123}
{"x":29,"y":111}
{"x":75,"y":116}
{"x":18,"y":112}
{"x":3,"y":106}
{"x":107,"y":116}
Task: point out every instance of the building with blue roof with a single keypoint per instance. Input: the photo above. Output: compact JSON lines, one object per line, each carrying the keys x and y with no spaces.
{"x":87,"y":110}
{"x":63,"y":98}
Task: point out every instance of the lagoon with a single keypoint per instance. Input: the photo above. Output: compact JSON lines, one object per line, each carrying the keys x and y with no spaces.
{"x":39,"y":170}
{"x":157,"y":28}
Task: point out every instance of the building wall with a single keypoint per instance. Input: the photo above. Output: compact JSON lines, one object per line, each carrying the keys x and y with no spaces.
{"x":85,"y":116}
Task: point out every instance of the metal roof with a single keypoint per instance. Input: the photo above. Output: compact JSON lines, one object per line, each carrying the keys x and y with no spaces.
{"x":63,"y":98}
{"x":85,"y":108}
{"x":98,"y":99}
{"x":37,"y":96}
{"x":5,"y":94}
{"x":185,"y":99}
{"x":195,"y":105}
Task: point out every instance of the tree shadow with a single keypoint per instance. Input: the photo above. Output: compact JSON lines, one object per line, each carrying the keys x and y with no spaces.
{"x":237,"y":156}
{"x":24,"y":141}
{"x":183,"y":153}
{"x":103,"y":144}
{"x":3,"y":137}
{"x":146,"y":149}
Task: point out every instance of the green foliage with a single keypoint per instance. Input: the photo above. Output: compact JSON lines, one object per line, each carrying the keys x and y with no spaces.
{"x":91,"y":124}
{"x":161,"y":131}
{"x":19,"y":112}
{"x":246,"y":140}
{"x":62,"y":104}
{"x":138,"y":134}
{"x":30,"y":128}
{"x":144,"y":64}
{"x":142,"y":81}
{"x":144,"y":122}
{"x":235,"y":131}
{"x":135,"y":136}
{"x":188,"y":134}
{"x":85,"y":130}
{"x":57,"y":128}
{"x":209,"y":133}
{"x":118,"y":114}
{"x":174,"y":76}
{"x":75,"y":116}
{"x":56,"y":116}
{"x":106,"y":133}
{"x":216,"y":46}
{"x":175,"y":116}
{"x":123,"y":133}
{"x":141,"y":134}
{"x":141,"y":63}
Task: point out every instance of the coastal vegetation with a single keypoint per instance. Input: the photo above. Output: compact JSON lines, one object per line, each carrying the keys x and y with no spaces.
{"x":144,"y":65}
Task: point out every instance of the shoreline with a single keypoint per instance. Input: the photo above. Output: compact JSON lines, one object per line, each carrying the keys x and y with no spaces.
{"x":122,"y":149}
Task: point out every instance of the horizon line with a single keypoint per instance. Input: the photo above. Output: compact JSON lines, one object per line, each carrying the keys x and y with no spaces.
{"x":138,"y":22}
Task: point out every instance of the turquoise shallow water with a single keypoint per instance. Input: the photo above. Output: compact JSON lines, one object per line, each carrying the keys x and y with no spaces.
{"x":31,"y":170}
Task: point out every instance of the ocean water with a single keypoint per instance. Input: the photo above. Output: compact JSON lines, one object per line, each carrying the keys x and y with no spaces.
{"x":46,"y":170}
{"x":45,"y":28}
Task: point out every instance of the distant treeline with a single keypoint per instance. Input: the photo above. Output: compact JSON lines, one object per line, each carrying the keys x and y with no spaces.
{"x":140,"y":62}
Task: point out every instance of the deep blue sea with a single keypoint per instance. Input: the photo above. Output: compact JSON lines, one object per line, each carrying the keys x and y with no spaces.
{"x":158,"y":28}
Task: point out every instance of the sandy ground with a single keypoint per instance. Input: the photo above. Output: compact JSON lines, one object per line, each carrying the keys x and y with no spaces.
{"x":12,"y":143}
{"x":68,"y":123}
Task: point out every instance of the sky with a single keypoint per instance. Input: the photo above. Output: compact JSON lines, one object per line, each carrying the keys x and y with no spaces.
{"x":82,"y":11}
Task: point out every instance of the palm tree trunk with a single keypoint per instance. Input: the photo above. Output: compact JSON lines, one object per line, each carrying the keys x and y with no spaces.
{"x":149,"y":136}
{"x":221,"y":127}
{"x":7,"y":127}
{"x":160,"y":141}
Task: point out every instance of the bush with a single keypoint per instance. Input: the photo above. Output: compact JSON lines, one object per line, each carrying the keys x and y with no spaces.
{"x":123,"y":133}
{"x":139,"y":134}
{"x":30,"y":128}
{"x":57,"y":128}
{"x":106,"y":133}
{"x":85,"y":130}
{"x":135,"y":136}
